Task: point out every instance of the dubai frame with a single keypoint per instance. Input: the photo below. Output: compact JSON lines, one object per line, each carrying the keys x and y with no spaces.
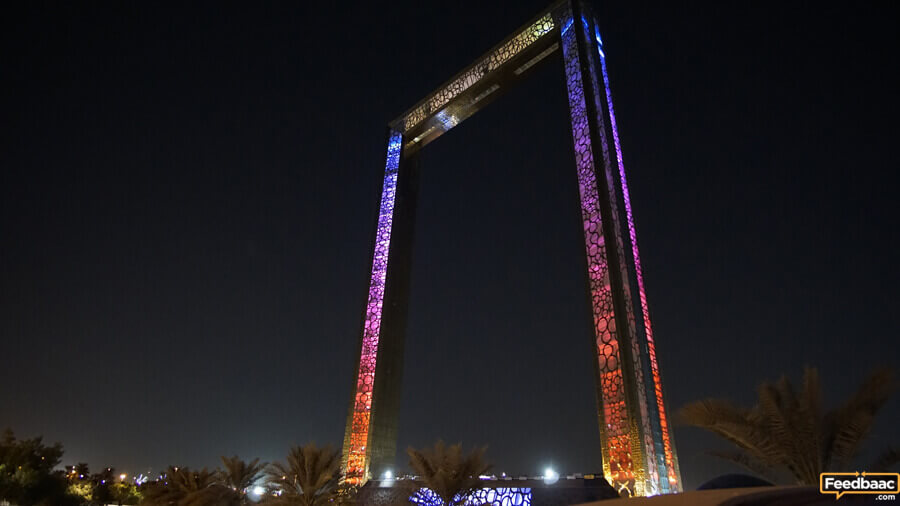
{"x":636,"y":441}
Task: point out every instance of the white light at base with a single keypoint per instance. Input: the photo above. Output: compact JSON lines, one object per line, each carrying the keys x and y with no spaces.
{"x":550,"y":476}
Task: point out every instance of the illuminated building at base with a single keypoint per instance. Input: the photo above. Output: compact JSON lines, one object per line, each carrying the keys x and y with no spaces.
{"x":636,"y":441}
{"x":494,"y":491}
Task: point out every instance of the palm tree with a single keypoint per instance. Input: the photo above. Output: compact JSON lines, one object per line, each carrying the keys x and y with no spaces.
{"x":239,"y":476}
{"x":181,"y":486}
{"x":309,"y":476}
{"x":447,"y":472}
{"x":788,"y":432}
{"x":165,"y":490}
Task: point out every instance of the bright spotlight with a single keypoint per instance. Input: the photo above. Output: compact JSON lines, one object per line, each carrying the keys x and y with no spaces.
{"x":257,"y":490}
{"x":550,"y":476}
{"x":388,"y":475}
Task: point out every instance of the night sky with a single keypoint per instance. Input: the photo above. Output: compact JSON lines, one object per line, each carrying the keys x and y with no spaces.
{"x":188,"y":193}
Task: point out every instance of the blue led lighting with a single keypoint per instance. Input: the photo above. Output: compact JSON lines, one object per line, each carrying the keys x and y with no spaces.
{"x":447,"y":120}
{"x":599,"y":42}
{"x":480,"y":497}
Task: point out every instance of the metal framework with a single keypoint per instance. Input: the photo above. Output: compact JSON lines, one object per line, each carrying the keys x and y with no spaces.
{"x":636,"y":443}
{"x":481,"y":496}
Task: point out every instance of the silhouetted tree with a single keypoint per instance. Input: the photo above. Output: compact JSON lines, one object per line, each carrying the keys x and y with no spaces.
{"x":165,"y":490}
{"x":79,"y":480}
{"x":789,"y":433}
{"x":239,"y":475}
{"x":308,"y":477}
{"x":102,"y":483}
{"x":181,"y":486}
{"x":124,"y":492}
{"x":27,"y":475}
{"x":447,"y":472}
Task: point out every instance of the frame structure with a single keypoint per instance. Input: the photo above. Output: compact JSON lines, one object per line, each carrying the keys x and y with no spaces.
{"x":636,"y":442}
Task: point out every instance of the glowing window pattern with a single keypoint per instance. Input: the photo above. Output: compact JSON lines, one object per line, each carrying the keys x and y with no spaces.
{"x":357,"y":461}
{"x":672,"y":476}
{"x":638,"y":453}
{"x":491,"y":62}
{"x":646,"y":473}
{"x":481,"y":497}
{"x":617,"y":461}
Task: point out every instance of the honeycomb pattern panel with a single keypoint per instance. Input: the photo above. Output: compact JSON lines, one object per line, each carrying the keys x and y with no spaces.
{"x":643,"y":445}
{"x":357,"y":459}
{"x":480,"y":497}
{"x":478,"y":71}
{"x":616,"y":426}
{"x":671,"y":481}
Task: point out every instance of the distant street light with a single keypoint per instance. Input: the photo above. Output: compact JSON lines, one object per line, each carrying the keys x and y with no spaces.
{"x":550,"y":476}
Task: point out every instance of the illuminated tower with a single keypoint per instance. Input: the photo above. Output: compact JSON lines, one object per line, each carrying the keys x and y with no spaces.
{"x":636,"y":442}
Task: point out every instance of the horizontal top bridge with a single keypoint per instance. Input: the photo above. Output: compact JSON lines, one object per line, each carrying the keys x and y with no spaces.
{"x":478,"y":84}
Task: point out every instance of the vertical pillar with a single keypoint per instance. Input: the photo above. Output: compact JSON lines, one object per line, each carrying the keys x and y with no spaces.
{"x":636,"y":443}
{"x":370,"y":439}
{"x":670,"y":474}
{"x":638,"y":457}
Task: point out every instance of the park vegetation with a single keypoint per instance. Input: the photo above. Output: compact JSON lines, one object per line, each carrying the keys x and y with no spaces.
{"x":309,"y":476}
{"x":447,"y":472}
{"x":788,"y":436}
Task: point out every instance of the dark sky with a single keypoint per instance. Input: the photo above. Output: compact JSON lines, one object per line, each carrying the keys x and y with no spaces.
{"x":187,"y":195}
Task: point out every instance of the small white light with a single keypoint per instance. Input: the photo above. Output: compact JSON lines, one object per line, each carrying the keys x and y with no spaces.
{"x":388,"y":475}
{"x":257,"y":490}
{"x":550,"y":476}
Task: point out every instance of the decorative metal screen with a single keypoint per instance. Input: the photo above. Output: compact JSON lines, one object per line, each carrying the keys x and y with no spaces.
{"x":481,"y":497}
{"x":636,"y":444}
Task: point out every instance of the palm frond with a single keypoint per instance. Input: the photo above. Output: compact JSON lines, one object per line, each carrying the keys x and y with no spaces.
{"x":742,"y":427}
{"x":788,"y":430}
{"x":309,"y":476}
{"x":240,"y":475}
{"x":808,"y":420}
{"x":781,"y":417}
{"x":885,"y":461}
{"x":848,"y":425}
{"x":447,"y":472}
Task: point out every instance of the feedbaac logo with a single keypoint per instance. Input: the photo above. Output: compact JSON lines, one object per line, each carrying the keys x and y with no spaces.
{"x":859,"y":483}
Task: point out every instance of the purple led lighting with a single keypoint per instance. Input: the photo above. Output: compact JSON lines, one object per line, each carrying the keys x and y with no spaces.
{"x":362,"y":405}
{"x":479,"y":497}
{"x":650,"y":485}
{"x":637,"y":446}
{"x":616,"y":427}
{"x":651,"y":348}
